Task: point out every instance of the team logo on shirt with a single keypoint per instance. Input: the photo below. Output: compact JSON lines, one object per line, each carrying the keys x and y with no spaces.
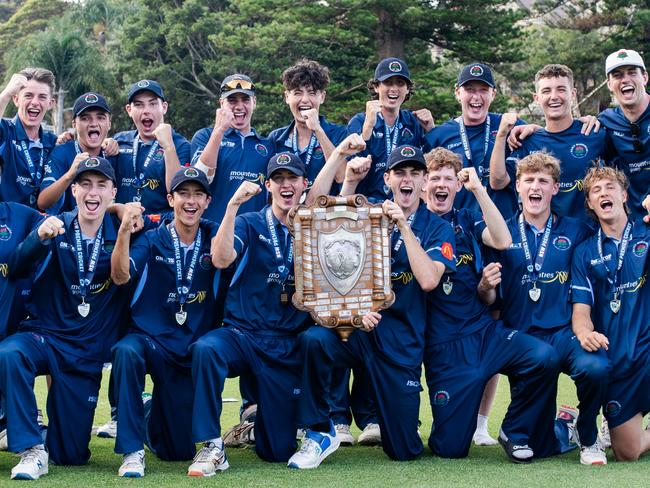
{"x":559,"y":276}
{"x":465,"y":259}
{"x":91,"y":98}
{"x":197,"y":297}
{"x":159,"y":154}
{"x":395,"y":67}
{"x":191,"y":173}
{"x":640,"y":249}
{"x":4,"y":269}
{"x":318,"y":153}
{"x":613,"y":408}
{"x":261,"y":149}
{"x":476,"y":70}
{"x":562,"y":243}
{"x":100,"y":287}
{"x":447,"y":250}
{"x":143,"y":83}
{"x":405,"y":277}
{"x":406,"y":133}
{"x":441,"y":398}
{"x":150,"y":183}
{"x":5,"y":232}
{"x":206,"y":261}
{"x":579,"y":150}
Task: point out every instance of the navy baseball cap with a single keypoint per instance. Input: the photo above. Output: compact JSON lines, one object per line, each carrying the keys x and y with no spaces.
{"x":146,"y":85}
{"x":476,"y":72}
{"x":89,"y":100}
{"x":392,"y":67}
{"x":190,"y":173}
{"x":237,"y":83}
{"x":406,"y":155}
{"x":288,"y":161}
{"x":98,"y":165}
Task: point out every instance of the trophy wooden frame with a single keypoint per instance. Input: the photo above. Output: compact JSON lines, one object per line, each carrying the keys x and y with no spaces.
{"x":342,"y":260}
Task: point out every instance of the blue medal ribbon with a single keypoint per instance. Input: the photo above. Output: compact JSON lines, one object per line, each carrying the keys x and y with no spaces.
{"x":184,"y":283}
{"x":35,"y":172}
{"x":86,"y":275}
{"x":391,"y":144}
{"x":622,"y":250}
{"x":282,"y":265}
{"x":313,"y":140}
{"x":398,"y":244}
{"x":139,"y":176}
{"x":468,"y":150}
{"x":534,"y":267}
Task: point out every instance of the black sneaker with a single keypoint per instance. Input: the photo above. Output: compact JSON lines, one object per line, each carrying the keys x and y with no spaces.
{"x":520,"y":454}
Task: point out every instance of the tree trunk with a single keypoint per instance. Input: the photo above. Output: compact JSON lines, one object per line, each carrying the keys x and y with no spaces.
{"x":390,"y":40}
{"x":59,"y":110}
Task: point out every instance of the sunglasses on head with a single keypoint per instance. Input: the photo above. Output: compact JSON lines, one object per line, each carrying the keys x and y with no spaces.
{"x":635,"y":129}
{"x":237,"y":84}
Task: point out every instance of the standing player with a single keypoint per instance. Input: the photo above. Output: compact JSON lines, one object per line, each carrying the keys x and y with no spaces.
{"x":611,"y":307}
{"x":151,"y":154}
{"x":628,"y":125}
{"x":465,"y":346}
{"x":91,"y":119}
{"x":310,"y":136}
{"x":261,"y":326}
{"x":24,"y":145}
{"x":73,"y":321}
{"x":390,"y":347}
{"x":561,"y":137}
{"x":232,"y":151}
{"x":535,"y":295}
{"x":384,"y":125}
{"x":169,"y":265}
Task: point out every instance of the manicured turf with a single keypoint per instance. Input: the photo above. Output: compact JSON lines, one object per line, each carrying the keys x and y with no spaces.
{"x":350,"y":466}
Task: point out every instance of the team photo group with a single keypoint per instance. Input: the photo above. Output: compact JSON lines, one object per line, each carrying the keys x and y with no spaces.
{"x":515,"y":249}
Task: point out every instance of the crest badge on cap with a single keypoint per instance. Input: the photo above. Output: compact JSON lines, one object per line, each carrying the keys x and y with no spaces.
{"x":91,"y":98}
{"x":476,"y":70}
{"x":622,"y":54}
{"x":283,"y":159}
{"x":143,"y":83}
{"x":395,"y":66}
{"x":407,"y":152}
{"x":91,"y":163}
{"x":191,"y":173}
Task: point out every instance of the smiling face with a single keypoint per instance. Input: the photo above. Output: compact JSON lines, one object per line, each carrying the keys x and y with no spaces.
{"x":627,"y":84}
{"x":606,"y":198}
{"x":242,"y":107}
{"x":189,"y":201}
{"x":475,"y":98}
{"x":303,"y":98}
{"x":147,"y":112}
{"x":93,"y":193}
{"x":441,"y":187}
{"x":406,"y":182}
{"x":286,"y":189}
{"x":555,"y":95}
{"x":32,"y":102}
{"x":536,"y":190}
{"x":92,"y":127}
{"x":392,"y":92}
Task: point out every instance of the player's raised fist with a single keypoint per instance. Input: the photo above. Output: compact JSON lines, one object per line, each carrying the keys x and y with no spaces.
{"x":50,"y":228}
{"x":245,"y":192}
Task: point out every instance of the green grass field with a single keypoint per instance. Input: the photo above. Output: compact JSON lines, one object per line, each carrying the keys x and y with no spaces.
{"x":350,"y":466}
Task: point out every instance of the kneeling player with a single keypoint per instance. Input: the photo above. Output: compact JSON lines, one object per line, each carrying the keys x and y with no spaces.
{"x":171,"y":266}
{"x":611,"y":308}
{"x":465,"y":345}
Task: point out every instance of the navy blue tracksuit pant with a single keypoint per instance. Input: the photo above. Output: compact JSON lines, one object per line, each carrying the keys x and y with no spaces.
{"x":457,"y":372}
{"x":395,"y":388}
{"x":273,"y":359}
{"x":71,"y":399}
{"x":167,"y":431}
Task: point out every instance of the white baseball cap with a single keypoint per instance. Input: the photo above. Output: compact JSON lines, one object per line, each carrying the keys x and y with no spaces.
{"x":623,"y":57}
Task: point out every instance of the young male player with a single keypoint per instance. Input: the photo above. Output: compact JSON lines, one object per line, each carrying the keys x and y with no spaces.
{"x":561,"y":137}
{"x":385,"y":125}
{"x":259,"y":337}
{"x":628,"y":125}
{"x":309,"y":135}
{"x":534,"y":298}
{"x":611,"y":307}
{"x":391,"y":344}
{"x":74,"y":314}
{"x":465,"y":346}
{"x":91,"y":119}
{"x":232,"y":151}
{"x":169,"y":266}
{"x":151,"y":154}
{"x":24,"y":145}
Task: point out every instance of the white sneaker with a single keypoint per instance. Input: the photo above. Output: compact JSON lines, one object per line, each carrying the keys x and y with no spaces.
{"x":344,"y":435}
{"x":483,"y":438}
{"x":4,"y":443}
{"x":603,"y":434}
{"x":371,"y":435}
{"x":132,"y":465}
{"x":208,"y":461}
{"x":108,"y":430}
{"x":315,"y":447}
{"x":593,"y":455}
{"x":32,"y":465}
{"x":300,"y":434}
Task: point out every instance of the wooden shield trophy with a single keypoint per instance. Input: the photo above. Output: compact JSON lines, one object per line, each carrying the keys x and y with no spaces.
{"x":342,"y":260}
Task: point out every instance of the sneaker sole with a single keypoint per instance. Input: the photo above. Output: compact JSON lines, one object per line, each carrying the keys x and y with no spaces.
{"x":512,"y":458}
{"x":131,"y":474}
{"x":326,"y":453}
{"x":200,"y":474}
{"x":26,"y":476}
{"x":595,"y":463}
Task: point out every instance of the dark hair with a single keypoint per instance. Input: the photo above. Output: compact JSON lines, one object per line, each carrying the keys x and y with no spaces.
{"x":306,"y":72}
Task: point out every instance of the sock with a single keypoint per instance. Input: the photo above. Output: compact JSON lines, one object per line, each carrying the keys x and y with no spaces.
{"x":216,"y":441}
{"x":481,"y":423}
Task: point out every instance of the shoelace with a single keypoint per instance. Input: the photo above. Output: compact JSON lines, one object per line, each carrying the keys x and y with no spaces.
{"x":30,"y":454}
{"x":133,"y":458}
{"x":595,"y":448}
{"x":206,"y":452}
{"x":309,"y":445}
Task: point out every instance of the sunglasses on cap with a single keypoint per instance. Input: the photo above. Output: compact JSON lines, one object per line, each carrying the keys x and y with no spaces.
{"x":237,"y":84}
{"x":635,"y":129}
